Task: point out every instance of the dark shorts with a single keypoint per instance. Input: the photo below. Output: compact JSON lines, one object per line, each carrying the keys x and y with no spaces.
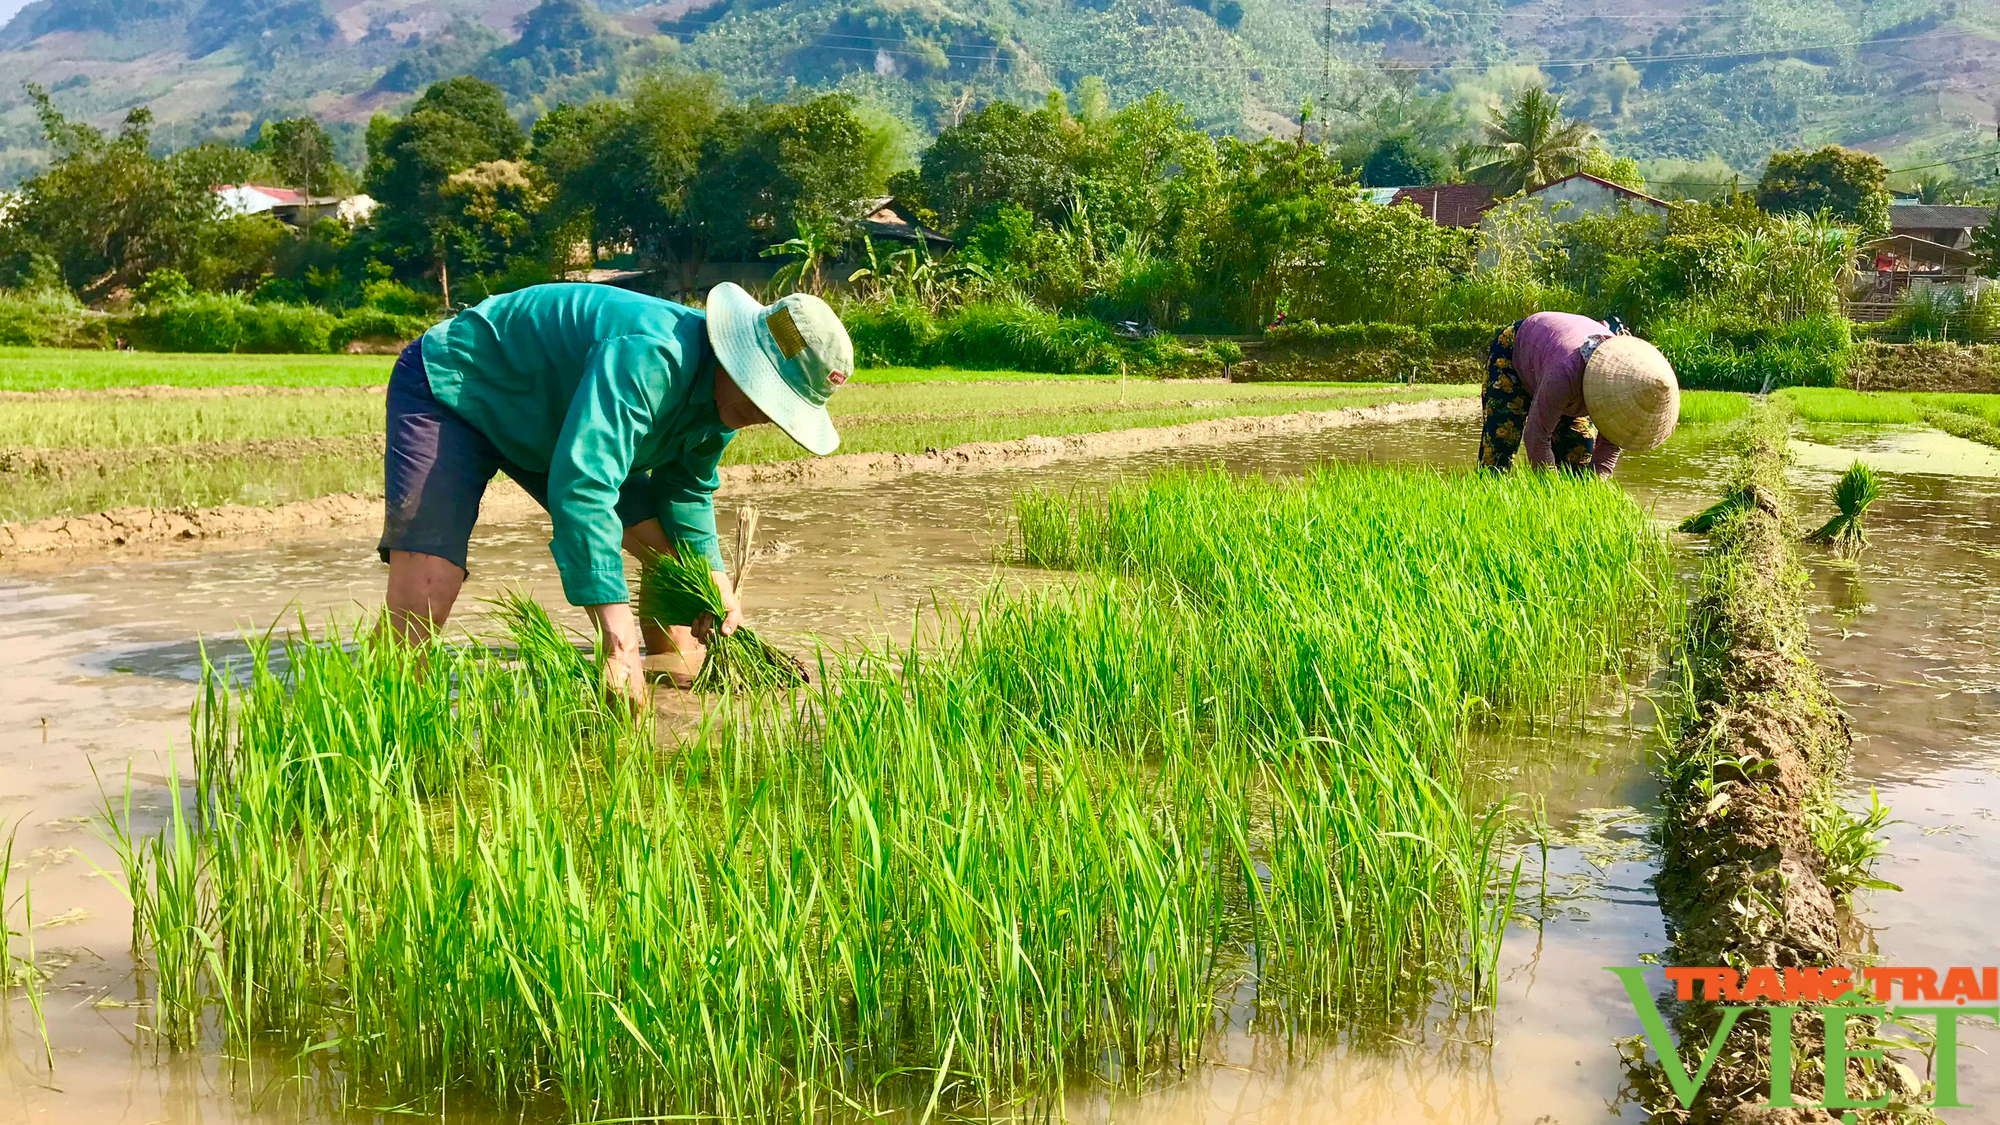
{"x":436,"y":468}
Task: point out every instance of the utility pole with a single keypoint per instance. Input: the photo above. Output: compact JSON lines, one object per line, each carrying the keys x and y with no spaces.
{"x":1326,"y":67}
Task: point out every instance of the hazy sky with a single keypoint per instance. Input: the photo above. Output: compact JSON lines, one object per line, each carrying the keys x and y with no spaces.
{"x":9,"y":7}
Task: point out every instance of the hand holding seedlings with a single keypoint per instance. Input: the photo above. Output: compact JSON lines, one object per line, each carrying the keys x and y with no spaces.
{"x":681,"y":587}
{"x":623,"y":674}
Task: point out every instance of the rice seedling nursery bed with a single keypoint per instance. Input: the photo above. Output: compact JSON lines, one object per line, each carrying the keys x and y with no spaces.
{"x":1041,"y":850}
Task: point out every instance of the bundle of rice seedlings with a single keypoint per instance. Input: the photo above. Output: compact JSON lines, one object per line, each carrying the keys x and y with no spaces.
{"x":1858,"y":488}
{"x":540,"y":643}
{"x":1704,"y":521}
{"x":679,"y":589}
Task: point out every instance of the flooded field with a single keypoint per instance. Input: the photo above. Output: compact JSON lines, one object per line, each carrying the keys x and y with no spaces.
{"x":102,"y":660}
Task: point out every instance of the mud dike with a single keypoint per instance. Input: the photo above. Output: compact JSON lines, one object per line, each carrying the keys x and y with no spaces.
{"x":1760,"y":752}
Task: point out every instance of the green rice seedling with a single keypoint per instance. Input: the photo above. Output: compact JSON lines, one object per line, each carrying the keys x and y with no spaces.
{"x":679,"y":590}
{"x":20,"y":971}
{"x":538,"y":642}
{"x":1965,"y":424}
{"x":1704,"y":521}
{"x":1703,"y":408}
{"x":1852,"y":494}
{"x":1039,"y":851}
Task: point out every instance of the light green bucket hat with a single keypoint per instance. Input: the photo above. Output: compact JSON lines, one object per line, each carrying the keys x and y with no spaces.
{"x":788,"y":358}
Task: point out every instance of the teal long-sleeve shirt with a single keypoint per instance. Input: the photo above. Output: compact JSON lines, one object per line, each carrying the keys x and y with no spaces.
{"x":591,"y":384}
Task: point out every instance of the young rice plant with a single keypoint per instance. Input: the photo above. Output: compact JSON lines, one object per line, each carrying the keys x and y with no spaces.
{"x":1049,"y":847}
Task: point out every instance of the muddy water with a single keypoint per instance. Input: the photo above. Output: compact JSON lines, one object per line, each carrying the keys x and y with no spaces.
{"x":1909,"y":639}
{"x":100,"y":667}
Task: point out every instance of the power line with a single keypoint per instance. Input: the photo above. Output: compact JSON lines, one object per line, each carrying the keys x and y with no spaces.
{"x":1892,"y":172}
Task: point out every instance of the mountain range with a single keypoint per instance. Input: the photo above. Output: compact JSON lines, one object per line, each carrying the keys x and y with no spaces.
{"x":1709,"y":83}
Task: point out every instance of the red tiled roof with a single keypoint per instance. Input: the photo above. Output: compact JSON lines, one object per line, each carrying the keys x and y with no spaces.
{"x":282,"y":195}
{"x":1449,"y":205}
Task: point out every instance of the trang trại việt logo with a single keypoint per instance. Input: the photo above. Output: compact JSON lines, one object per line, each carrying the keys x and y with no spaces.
{"x":1830,"y":992}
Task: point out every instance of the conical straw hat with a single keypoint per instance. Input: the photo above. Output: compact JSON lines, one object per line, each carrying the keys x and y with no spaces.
{"x":1630,"y":392}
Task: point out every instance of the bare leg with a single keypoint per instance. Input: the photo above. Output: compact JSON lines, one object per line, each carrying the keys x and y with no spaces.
{"x":422,"y":589}
{"x":646,"y":542}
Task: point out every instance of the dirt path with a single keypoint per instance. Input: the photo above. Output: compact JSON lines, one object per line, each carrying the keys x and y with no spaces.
{"x":123,"y":527}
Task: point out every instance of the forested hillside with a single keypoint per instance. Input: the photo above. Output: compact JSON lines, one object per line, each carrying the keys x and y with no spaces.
{"x":1715,"y":84}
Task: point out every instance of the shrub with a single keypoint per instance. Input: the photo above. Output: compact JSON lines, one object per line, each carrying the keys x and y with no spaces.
{"x":162,"y":287}
{"x":40,"y":318}
{"x":397,"y":299}
{"x":1498,"y":299}
{"x":1025,"y":338}
{"x":227,"y":322}
{"x":1463,"y":335}
{"x":1736,"y":354}
{"x":891,"y":334}
{"x":376,"y":325}
{"x":198,"y":322}
{"x":1927,"y":312}
{"x":1358,"y":335}
{"x":274,"y":329}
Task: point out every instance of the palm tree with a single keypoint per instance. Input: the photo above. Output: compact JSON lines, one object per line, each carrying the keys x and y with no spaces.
{"x":1529,"y":143}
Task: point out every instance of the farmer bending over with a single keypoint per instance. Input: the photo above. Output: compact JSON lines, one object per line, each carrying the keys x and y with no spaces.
{"x":611,"y":409}
{"x":1550,"y":376}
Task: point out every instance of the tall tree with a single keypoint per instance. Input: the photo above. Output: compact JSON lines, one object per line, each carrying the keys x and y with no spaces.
{"x":1850,"y":185}
{"x":999,"y":154}
{"x":1530,"y":144}
{"x":107,"y":211}
{"x":1399,"y":160}
{"x":773,"y":172}
{"x":455,"y":125}
{"x":302,"y":155}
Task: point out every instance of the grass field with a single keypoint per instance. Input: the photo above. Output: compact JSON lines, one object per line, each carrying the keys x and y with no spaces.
{"x":1831,"y":404}
{"x":74,"y":453}
{"x":43,"y":369}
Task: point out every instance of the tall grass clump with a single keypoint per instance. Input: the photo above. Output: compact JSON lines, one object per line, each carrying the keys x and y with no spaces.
{"x":44,"y":318}
{"x":1021,"y":336}
{"x":1722,"y":352}
{"x":1004,"y":334}
{"x":1856,"y":489}
{"x":1046,"y":848}
{"x":18,"y":970}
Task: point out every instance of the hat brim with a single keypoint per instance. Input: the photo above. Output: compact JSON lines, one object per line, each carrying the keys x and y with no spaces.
{"x":751,"y":356}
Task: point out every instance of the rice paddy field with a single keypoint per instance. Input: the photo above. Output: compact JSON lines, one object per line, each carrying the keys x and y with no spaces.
{"x":278,"y":440}
{"x":1304,"y":779}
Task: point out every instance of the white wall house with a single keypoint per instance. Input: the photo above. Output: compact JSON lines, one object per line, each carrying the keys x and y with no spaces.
{"x":1573,"y":197}
{"x":293,"y":207}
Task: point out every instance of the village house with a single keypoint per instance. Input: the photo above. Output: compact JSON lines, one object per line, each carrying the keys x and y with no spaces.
{"x":1466,"y":206}
{"x":293,"y":208}
{"x":1947,"y":226}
